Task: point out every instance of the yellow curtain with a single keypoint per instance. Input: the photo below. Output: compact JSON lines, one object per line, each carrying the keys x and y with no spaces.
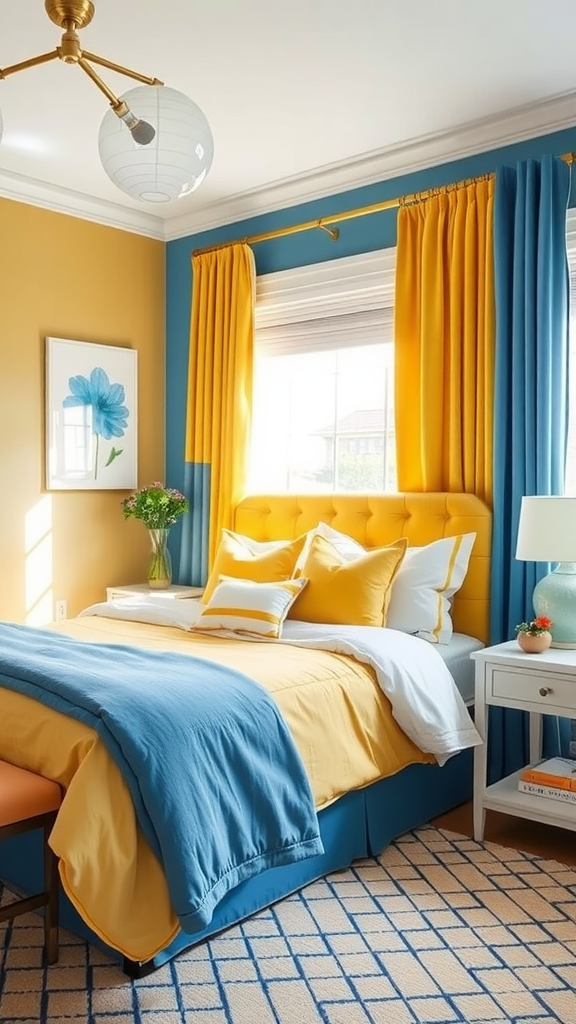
{"x":219,"y":389}
{"x":444,"y":341}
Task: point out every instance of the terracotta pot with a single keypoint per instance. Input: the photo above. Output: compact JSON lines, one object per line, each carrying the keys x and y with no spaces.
{"x":534,"y":644}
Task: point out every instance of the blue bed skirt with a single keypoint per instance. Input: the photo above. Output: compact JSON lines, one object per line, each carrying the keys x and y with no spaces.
{"x":360,"y":824}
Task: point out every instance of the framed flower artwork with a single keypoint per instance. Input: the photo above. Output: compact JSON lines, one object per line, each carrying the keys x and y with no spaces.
{"x":91,"y":416}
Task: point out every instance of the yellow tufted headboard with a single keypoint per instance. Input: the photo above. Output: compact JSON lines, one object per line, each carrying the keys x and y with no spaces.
{"x":375,"y":520}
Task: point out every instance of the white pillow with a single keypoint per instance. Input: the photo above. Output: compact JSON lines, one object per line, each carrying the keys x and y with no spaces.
{"x":345,"y":545}
{"x":257,"y":547}
{"x":256,"y":609}
{"x":423,"y":588}
{"x":422,"y":592}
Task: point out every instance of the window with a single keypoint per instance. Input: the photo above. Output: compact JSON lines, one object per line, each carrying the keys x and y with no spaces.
{"x":323,"y":395}
{"x":323,"y":410}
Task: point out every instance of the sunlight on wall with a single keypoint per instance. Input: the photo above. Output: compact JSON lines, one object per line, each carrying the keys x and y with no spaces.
{"x":38,"y":563}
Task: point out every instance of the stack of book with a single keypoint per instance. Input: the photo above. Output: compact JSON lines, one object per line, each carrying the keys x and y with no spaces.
{"x":554,"y":777}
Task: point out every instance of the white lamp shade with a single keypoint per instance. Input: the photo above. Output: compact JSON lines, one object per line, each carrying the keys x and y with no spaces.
{"x":547,"y":529}
{"x":179,"y":156}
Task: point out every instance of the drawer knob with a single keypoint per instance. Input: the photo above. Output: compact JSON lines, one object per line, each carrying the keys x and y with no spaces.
{"x":544,"y":691}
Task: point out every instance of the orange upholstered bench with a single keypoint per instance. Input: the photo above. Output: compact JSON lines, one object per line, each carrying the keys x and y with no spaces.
{"x":29,"y":801}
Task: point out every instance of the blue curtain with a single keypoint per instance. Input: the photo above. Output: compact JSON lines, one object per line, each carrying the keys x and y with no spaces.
{"x":530,"y":398}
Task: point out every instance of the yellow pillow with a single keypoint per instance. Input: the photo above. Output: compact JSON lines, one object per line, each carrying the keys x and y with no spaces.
{"x":235,"y":558}
{"x":353,"y":593}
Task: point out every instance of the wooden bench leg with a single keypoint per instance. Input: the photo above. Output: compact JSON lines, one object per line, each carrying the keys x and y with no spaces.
{"x":51,"y":888}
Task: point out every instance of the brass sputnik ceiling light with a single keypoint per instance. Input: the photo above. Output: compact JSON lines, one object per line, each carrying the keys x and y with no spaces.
{"x":155,"y":143}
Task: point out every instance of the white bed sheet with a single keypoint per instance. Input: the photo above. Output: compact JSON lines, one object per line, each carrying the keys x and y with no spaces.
{"x":425,"y":700}
{"x":456,"y":655}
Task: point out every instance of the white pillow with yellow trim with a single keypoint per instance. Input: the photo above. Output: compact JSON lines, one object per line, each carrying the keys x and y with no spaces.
{"x":426,"y":581}
{"x":422,"y":593}
{"x":242,"y":606}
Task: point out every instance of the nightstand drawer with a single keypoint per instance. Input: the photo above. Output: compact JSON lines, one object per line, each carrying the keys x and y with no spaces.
{"x":548,"y":691}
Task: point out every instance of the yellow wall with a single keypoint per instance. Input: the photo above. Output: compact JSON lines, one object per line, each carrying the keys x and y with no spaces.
{"x":67,"y":278}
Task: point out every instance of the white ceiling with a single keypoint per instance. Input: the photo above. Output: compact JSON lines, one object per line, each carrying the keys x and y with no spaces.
{"x":305,"y":97}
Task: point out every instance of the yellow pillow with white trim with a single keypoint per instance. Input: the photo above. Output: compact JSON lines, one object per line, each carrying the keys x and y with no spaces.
{"x":422,"y":591}
{"x":353,"y":593}
{"x":235,"y":558}
{"x":242,"y":606}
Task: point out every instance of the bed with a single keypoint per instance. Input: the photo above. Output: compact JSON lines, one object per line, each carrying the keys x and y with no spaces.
{"x":362,"y":798}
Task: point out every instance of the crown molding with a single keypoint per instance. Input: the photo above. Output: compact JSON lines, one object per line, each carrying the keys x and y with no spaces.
{"x":508,"y":128}
{"x":78,"y":204}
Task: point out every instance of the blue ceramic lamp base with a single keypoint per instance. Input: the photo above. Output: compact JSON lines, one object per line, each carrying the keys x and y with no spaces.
{"x":555,"y":596}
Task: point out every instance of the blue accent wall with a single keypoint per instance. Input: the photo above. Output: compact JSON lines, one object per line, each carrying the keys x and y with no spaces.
{"x":363,"y":234}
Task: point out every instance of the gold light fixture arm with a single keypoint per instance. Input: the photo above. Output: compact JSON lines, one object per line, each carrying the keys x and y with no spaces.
{"x":142,"y":132}
{"x":72,"y":15}
{"x":145,"y":79}
{"x":111,"y":97}
{"x":42,"y":58}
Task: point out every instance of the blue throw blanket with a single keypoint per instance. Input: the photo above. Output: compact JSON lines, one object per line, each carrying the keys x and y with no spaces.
{"x":218,"y":785}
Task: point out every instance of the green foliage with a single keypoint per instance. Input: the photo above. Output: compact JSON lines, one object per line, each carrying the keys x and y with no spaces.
{"x":156,"y":506}
{"x":356,"y":472}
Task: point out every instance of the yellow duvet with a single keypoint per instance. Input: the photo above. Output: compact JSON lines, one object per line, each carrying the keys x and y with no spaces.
{"x":340,"y":720}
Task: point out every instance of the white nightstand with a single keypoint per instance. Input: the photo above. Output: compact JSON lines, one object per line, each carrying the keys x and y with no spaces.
{"x":541,"y":684}
{"x":142,"y":589}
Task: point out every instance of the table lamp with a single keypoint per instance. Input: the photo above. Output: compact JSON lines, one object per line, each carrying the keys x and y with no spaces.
{"x":547,"y":533}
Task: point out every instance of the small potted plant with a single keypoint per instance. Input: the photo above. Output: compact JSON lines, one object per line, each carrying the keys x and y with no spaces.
{"x":535,"y":637}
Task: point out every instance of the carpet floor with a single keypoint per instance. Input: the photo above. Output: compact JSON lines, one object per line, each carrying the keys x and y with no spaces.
{"x":437,"y":929}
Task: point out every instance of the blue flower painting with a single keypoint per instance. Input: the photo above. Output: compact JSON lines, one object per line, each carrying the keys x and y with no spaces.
{"x":109,"y":414}
{"x":91,"y":416}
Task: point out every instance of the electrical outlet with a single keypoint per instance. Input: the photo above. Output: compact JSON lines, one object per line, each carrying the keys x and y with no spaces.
{"x":60,"y":610}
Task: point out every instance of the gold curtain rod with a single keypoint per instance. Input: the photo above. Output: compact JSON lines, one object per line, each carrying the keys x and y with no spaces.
{"x":361,"y":211}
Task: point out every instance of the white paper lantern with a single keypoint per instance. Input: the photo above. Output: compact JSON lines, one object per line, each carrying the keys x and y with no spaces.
{"x":177,"y":160}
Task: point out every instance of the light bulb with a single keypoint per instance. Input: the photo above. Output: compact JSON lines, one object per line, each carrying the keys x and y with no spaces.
{"x":141,"y":131}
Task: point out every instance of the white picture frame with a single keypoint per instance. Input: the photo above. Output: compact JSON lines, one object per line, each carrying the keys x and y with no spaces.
{"x":91,"y":416}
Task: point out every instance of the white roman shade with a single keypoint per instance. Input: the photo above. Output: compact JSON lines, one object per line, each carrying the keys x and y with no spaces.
{"x":336,"y":304}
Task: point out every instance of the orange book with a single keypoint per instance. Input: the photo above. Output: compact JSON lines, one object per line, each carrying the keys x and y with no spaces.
{"x":552,"y":771}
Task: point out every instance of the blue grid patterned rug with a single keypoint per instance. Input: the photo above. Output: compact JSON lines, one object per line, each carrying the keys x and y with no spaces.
{"x":436,"y":930}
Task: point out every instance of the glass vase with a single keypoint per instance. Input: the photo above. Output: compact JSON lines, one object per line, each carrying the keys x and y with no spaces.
{"x":160,"y":564}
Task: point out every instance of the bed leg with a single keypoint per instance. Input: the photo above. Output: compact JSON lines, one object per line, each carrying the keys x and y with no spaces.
{"x":138,"y":968}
